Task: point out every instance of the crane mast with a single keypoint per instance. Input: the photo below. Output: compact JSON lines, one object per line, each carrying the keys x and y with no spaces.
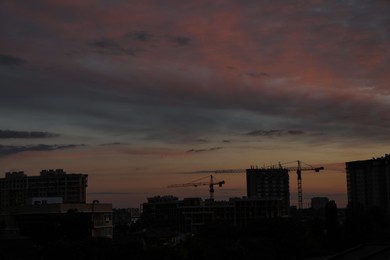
{"x":299,"y":170}
{"x":299,"y":179}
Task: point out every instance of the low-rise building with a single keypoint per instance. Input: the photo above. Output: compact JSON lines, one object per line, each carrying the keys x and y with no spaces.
{"x":319,"y":202}
{"x":126,"y":216}
{"x":190,"y":213}
{"x":59,"y":220}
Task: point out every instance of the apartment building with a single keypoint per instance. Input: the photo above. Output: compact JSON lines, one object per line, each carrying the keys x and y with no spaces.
{"x":16,"y":188}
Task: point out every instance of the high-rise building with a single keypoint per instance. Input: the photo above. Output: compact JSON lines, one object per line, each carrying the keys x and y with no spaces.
{"x":269,"y":184}
{"x":368,"y":182}
{"x":16,"y":188}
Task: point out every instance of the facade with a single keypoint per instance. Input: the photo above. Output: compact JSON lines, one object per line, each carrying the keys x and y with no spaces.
{"x":269,"y":184}
{"x":17,"y":187}
{"x":59,"y":219}
{"x":368,"y":182}
{"x":126,"y":216}
{"x":162,"y":211}
{"x":191,"y":213}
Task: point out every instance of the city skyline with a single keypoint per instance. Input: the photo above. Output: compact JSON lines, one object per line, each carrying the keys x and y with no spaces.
{"x":136,"y":93}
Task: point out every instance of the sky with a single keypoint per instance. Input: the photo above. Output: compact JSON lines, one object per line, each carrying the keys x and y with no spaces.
{"x":139,"y":94}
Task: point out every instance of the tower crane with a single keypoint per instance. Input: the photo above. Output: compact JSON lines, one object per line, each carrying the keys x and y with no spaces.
{"x":297,"y":169}
{"x":198,"y":182}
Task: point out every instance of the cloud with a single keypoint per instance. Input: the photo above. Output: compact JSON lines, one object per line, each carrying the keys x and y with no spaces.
{"x":11,"y":61}
{"x":257,"y":74}
{"x":113,"y":144}
{"x":276,"y":132}
{"x":110,"y":46}
{"x":326,"y":61}
{"x":142,"y":36}
{"x":6,"y":150}
{"x":106,"y":44}
{"x":8,"y":134}
{"x":180,"y":40}
{"x":203,"y":150}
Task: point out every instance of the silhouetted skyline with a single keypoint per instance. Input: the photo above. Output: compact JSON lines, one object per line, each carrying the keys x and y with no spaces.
{"x":134,"y":92}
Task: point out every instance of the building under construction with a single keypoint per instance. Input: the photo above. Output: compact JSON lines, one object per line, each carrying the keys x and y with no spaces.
{"x":272,"y":182}
{"x":269,"y":184}
{"x":368,"y":182}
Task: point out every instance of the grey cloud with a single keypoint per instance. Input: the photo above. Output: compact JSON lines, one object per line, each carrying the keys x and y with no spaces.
{"x":144,"y":36}
{"x":201,"y":140}
{"x":11,"y":61}
{"x":203,"y":150}
{"x":155,"y":86}
{"x":8,"y":134}
{"x":257,"y":74}
{"x":295,"y":132}
{"x":274,"y":132}
{"x":110,"y":46}
{"x":13,"y":149}
{"x":112,"y":144}
{"x":105,"y":43}
{"x":140,"y":36}
{"x":180,"y":40}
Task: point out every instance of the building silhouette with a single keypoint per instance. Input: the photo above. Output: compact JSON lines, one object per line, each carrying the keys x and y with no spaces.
{"x":56,"y":220}
{"x":191,"y":213}
{"x":125,"y":216}
{"x":51,"y":206}
{"x":17,"y":187}
{"x":269,"y":184}
{"x":368,"y":182}
{"x":319,"y":202}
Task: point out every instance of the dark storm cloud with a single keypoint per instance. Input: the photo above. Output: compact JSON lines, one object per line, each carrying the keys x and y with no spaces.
{"x":274,"y":132}
{"x":11,"y":61}
{"x":203,"y":150}
{"x":13,"y":149}
{"x":8,"y":134}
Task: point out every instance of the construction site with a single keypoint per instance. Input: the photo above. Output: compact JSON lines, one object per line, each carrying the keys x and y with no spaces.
{"x":267,"y":196}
